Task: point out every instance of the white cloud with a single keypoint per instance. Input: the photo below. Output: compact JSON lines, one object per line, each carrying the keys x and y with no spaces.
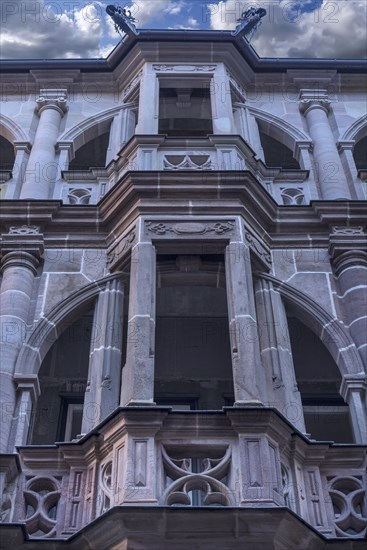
{"x":335,"y":30}
{"x":145,"y":11}
{"x":34,"y":30}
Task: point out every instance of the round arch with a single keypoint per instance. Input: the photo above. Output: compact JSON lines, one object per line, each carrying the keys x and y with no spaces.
{"x":92,"y":127}
{"x":279,"y":129}
{"x":356,"y":131}
{"x":11,"y":131}
{"x":49,"y":328}
{"x":330,"y":331}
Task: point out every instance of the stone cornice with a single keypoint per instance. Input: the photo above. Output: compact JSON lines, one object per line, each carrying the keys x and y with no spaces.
{"x":182,"y":194}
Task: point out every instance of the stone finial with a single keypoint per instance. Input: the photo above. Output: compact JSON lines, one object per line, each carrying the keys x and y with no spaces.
{"x":52,"y":99}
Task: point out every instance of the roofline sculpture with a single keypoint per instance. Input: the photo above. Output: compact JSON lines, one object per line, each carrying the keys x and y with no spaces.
{"x":124,"y":21}
{"x":249,"y":22}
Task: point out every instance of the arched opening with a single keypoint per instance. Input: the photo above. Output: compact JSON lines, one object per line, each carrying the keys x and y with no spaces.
{"x":92,"y":154}
{"x":360,"y":154}
{"x":63,"y":378}
{"x":7,"y":155}
{"x":193,"y":367}
{"x":277,"y":154}
{"x":325,"y":412}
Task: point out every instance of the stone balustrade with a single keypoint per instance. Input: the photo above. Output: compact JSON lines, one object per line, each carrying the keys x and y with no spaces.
{"x":155,"y":457}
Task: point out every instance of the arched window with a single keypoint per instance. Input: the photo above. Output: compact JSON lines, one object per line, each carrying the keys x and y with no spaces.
{"x":92,"y":154}
{"x":360,"y":154}
{"x":7,"y":156}
{"x":277,"y":154}
{"x":325,"y":412}
{"x":63,"y":378}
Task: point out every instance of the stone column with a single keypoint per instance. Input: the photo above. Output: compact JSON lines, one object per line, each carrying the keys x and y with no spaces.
{"x":148,"y":102}
{"x":276,"y":353}
{"x":315,"y":106}
{"x":246,"y":361}
{"x":102,"y":395}
{"x":42,"y":168}
{"x":28,"y":391}
{"x":122,"y":129}
{"x":354,"y":390}
{"x":221,"y":102}
{"x":19,"y":267}
{"x":138,"y":372}
{"x":347,"y":249}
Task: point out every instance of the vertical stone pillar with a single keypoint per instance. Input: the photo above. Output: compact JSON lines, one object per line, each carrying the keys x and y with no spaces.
{"x":122,"y":129}
{"x":276,"y":353}
{"x":138,"y":372}
{"x":19,"y":267}
{"x":102,"y":395}
{"x":354,"y":390}
{"x":28,"y":390}
{"x":315,"y":106}
{"x":42,"y":168}
{"x":22,"y":150}
{"x":347,"y":249}
{"x":246,"y":126}
{"x":246,"y":361}
{"x":148,"y":102}
{"x":221,"y":102}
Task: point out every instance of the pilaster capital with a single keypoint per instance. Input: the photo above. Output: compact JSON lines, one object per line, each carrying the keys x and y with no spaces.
{"x":353,"y":383}
{"x":28,"y":383}
{"x":314,"y":99}
{"x":52,"y":99}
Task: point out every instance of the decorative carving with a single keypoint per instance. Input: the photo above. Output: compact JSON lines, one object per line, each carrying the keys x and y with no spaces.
{"x":140,"y":463}
{"x":293,"y":196}
{"x":41,"y":497}
{"x":348,"y":500}
{"x":124,"y":21}
{"x":197,"y":480}
{"x":189,"y":228}
{"x":134,"y":82}
{"x":52,"y":99}
{"x":122,"y":247}
{"x":24,"y":230}
{"x":348,"y":230}
{"x":79,"y":195}
{"x":258,"y":248}
{"x":184,"y":68}
{"x":105,"y":487}
{"x":187,"y":162}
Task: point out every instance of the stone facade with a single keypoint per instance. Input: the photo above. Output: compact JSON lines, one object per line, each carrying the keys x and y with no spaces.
{"x":183,"y":299}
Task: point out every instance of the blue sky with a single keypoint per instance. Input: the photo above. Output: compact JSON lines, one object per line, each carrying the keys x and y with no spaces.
{"x":68,"y":28}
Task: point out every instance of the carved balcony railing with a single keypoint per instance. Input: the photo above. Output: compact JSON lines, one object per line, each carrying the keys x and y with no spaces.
{"x":245,"y":458}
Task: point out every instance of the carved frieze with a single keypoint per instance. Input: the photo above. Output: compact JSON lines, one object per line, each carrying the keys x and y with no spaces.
{"x":183,"y":229}
{"x":24,"y":230}
{"x":167,"y":68}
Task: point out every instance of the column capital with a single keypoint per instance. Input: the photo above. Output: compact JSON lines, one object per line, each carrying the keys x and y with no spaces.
{"x":52,"y":99}
{"x":314,"y":99}
{"x":19,"y":258}
{"x":348,"y":247}
{"x":353,"y":383}
{"x":29,"y":383}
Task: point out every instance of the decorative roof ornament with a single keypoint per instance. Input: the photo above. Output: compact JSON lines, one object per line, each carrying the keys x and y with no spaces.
{"x":124,"y":21}
{"x":249,"y":22}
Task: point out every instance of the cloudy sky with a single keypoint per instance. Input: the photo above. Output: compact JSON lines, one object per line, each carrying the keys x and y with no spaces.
{"x":76,"y":28}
